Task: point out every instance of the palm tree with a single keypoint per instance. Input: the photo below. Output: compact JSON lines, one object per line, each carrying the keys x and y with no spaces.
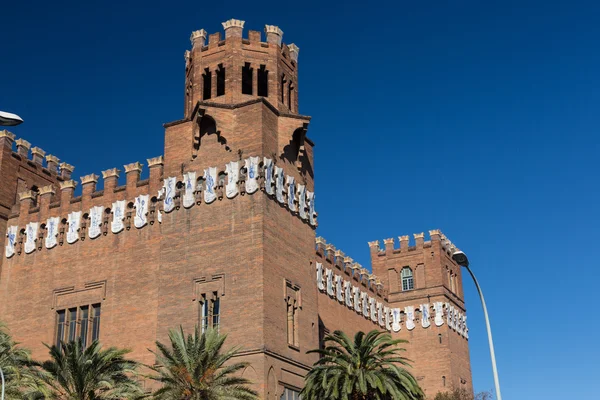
{"x":15,"y":363}
{"x":78,"y":373}
{"x":370,"y":367}
{"x":196,"y":368}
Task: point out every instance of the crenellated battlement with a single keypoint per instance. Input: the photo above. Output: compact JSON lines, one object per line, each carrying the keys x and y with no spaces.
{"x":34,"y":157}
{"x":419,"y":243}
{"x":330,"y":256}
{"x":142,"y":202}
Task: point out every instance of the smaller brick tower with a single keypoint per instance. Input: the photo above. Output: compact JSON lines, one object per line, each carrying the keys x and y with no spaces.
{"x":425,"y":273}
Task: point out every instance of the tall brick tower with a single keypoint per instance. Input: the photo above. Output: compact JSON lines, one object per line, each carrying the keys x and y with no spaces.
{"x":425,"y":274}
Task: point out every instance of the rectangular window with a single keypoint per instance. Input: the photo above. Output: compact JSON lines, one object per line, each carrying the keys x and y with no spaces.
{"x":263,"y":81}
{"x":83,"y":324}
{"x":247,"y":79}
{"x":60,"y":326}
{"x":220,"y":80}
{"x":74,"y":323}
{"x":209,"y":311}
{"x":290,"y":394}
{"x":95,"y":322}
{"x":206,"y":84}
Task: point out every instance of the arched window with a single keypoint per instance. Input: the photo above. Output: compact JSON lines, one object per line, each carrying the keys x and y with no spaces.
{"x":407,"y":279}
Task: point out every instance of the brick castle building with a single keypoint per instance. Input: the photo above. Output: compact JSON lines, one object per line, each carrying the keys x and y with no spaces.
{"x":222,"y":234}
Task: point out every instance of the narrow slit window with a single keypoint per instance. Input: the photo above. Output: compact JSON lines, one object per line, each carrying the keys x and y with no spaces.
{"x":216,"y":315}
{"x":83,"y":324}
{"x":290,"y":92}
{"x":60,"y":326}
{"x":220,"y":80}
{"x":72,"y":324}
{"x":206,"y":84}
{"x":247,"y":79}
{"x":263,"y":81}
{"x":95,"y":322}
{"x":282,"y":84}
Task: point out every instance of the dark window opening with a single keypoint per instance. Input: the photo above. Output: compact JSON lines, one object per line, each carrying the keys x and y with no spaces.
{"x":221,"y":80}
{"x":83,"y":323}
{"x":206,"y":84}
{"x":60,"y":326}
{"x":440,"y":337}
{"x":263,"y":81}
{"x":247,"y":79}
{"x":283,"y":81}
{"x":210,"y":311}
{"x":290,"y":92}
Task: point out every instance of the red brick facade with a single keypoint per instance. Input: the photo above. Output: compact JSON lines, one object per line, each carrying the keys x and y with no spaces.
{"x":254,"y":250}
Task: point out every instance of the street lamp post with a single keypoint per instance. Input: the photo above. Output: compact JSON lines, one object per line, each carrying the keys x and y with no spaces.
{"x":461,"y":259}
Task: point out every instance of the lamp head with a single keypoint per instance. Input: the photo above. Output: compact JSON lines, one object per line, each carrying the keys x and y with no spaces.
{"x":9,"y":119}
{"x":460,"y":258}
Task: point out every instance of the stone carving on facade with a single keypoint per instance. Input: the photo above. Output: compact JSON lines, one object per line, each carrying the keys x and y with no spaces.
{"x":232,"y":169}
{"x":118,"y":211}
{"x":252,"y":174}
{"x":169,"y":188}
{"x":210,"y":179}
{"x":73,"y":223}
{"x":11,"y":241}
{"x":141,"y":210}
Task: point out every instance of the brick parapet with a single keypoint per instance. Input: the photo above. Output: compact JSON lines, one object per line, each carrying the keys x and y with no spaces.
{"x":32,"y":156}
{"x":30,"y":211}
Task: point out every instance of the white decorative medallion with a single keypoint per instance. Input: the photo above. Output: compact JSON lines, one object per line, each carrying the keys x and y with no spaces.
{"x":373,"y":309}
{"x":210,"y":179}
{"x":279,"y":184}
{"x":410,"y":317}
{"x":356,"y":297}
{"x":396,"y":323}
{"x":169,"y":193}
{"x":52,"y":232}
{"x":310,"y":199}
{"x":11,"y":235}
{"x":30,"y":236}
{"x":189,"y":183}
{"x":365,"y":304}
{"x":302,"y":201}
{"x":232,"y":170}
{"x":95,"y":229}
{"x":320,"y":282}
{"x":268,"y":175}
{"x":438,"y":306}
{"x":425,"y":323}
{"x":380,"y":316}
{"x":339,"y":288}
{"x":291,"y":185}
{"x":118,"y":211}
{"x":348,"y":294}
{"x":73,"y":222}
{"x":330,"y":289}
{"x":252,"y":174}
{"x":388,"y":321}
{"x":141,"y":210}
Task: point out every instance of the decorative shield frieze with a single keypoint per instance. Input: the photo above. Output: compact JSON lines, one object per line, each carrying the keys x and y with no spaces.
{"x":279,"y":184}
{"x":410,"y":317}
{"x":310,"y":199}
{"x":425,"y":323}
{"x":118,"y":211}
{"x":356,"y":296}
{"x":30,"y":236}
{"x":348,"y":293}
{"x":438,"y":306}
{"x":330,"y":289}
{"x":251,"y":174}
{"x":365,"y":304}
{"x":141,"y":210}
{"x":73,"y":222}
{"x":95,"y":228}
{"x":320,"y":279}
{"x":291,"y":185}
{"x":210,"y":179}
{"x":387,"y":318}
{"x":232,"y":170}
{"x":396,"y":321}
{"x":339,"y":288}
{"x":268,"y":175}
{"x":380,"y":316}
{"x":373,"y":309}
{"x":302,"y":202}
{"x":52,"y":232}
{"x":189,"y":183}
{"x":169,"y":191}
{"x":11,"y":235}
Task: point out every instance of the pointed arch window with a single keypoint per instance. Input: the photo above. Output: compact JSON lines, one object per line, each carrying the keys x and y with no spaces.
{"x":408,"y":282}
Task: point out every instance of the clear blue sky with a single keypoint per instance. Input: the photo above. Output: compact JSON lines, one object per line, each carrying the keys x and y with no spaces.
{"x":478,"y":119}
